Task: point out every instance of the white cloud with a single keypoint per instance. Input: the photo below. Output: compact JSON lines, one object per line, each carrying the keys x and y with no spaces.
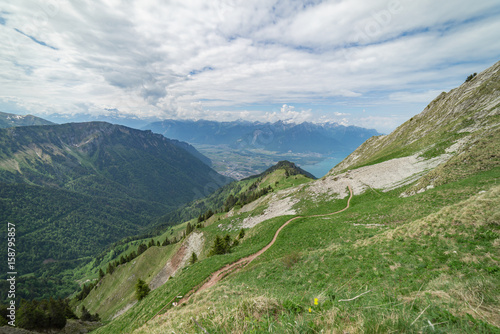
{"x":288,"y":113}
{"x":161,"y":59}
{"x":410,"y":97}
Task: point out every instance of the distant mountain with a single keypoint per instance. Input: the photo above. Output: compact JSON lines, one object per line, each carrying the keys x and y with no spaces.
{"x":102,"y":159}
{"x":10,"y":120}
{"x":73,"y":189}
{"x":279,"y":136}
{"x":113,"y":117}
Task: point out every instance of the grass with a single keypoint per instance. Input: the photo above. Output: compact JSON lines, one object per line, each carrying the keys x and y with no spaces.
{"x":423,"y":254}
{"x":431,"y":267}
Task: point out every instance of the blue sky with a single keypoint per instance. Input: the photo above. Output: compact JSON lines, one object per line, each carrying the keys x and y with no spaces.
{"x":367,"y":63}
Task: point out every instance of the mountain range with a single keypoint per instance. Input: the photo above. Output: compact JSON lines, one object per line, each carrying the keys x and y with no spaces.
{"x":279,"y":136}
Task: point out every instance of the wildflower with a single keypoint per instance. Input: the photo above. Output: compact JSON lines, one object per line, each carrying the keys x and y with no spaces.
{"x":315,"y":301}
{"x":310,"y":310}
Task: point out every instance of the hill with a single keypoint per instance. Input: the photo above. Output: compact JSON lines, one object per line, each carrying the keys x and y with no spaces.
{"x":73,"y":189}
{"x":289,"y":167}
{"x":10,"y":120}
{"x":116,"y":291}
{"x":102,"y":159}
{"x":240,"y":192}
{"x":395,"y":259}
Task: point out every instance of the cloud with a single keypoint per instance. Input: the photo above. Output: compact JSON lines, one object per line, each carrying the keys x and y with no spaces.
{"x":289,"y":114}
{"x":412,"y":97}
{"x":195,"y":59}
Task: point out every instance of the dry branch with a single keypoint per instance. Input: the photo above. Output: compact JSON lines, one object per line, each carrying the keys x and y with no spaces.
{"x":348,"y":300}
{"x":197,"y":324}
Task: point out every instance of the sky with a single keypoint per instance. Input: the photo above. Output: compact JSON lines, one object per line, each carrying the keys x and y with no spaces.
{"x":366,"y":63}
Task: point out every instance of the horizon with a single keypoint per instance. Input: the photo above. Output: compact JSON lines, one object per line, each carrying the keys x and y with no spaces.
{"x":372,"y":65}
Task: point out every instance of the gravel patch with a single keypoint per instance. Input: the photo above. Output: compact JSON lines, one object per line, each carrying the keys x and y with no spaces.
{"x":385,"y":176}
{"x":280,"y":204}
{"x":194,"y":243}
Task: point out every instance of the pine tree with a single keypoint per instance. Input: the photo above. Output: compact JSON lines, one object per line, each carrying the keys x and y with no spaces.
{"x":86,"y":316}
{"x":101,"y":274}
{"x":194,"y":258}
{"x":141,"y":289}
{"x":227,"y":243}
{"x":141,"y":249}
{"x":111,"y":268}
{"x":218,"y":247}
{"x":189,"y":228}
{"x":56,"y":316}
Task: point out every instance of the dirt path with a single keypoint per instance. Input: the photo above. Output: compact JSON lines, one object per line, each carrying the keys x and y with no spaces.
{"x":230,"y":268}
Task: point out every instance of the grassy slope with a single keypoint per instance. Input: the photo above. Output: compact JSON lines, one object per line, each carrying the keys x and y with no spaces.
{"x":319,"y":258}
{"x":215,"y":201}
{"x":451,"y":116}
{"x":117,"y":290}
{"x":107,"y":303}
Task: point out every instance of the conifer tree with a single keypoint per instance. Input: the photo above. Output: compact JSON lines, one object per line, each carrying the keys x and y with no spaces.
{"x":194,"y":258}
{"x":141,"y":289}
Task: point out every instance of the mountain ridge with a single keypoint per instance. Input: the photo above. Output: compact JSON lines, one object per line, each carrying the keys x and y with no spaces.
{"x":8,"y":120}
{"x":279,"y":136}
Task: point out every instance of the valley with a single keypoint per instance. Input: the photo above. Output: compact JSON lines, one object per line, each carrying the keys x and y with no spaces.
{"x":238,"y":164}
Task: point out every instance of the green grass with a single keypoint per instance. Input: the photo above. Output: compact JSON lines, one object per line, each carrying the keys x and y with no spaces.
{"x":408,"y":264}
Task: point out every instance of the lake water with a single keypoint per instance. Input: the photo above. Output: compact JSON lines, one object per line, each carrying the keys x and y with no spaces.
{"x":320,"y":169}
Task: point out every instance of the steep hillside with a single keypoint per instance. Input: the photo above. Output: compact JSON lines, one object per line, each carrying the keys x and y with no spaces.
{"x":395,"y":259}
{"x":73,"y":189}
{"x":239,"y":192}
{"x":104,"y":160}
{"x":10,"y":120}
{"x":116,"y":292}
{"x":289,"y":167}
{"x":465,"y":116}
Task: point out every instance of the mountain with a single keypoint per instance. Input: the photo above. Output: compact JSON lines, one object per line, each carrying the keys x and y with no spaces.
{"x":73,"y":189}
{"x":240,"y":149}
{"x":102,"y":159}
{"x":402,"y":236}
{"x":112,"y":116}
{"x":10,"y":120}
{"x":279,"y":136}
{"x":466,"y":116}
{"x":192,"y":150}
{"x":289,"y":167}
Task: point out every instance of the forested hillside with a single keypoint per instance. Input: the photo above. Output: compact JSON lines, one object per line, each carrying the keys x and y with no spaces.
{"x":73,"y":189}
